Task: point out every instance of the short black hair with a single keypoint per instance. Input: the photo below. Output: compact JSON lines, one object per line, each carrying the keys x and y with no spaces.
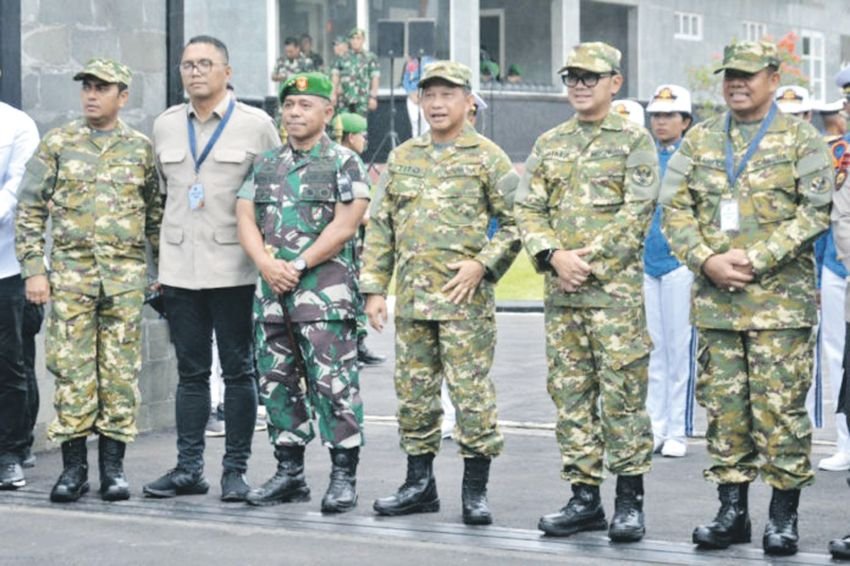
{"x":306,"y":36}
{"x":291,"y":41}
{"x":122,"y":87}
{"x":210,"y":40}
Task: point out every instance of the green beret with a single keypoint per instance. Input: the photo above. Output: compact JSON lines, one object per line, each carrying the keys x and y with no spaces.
{"x":357,"y":31}
{"x":351,"y":123}
{"x":314,"y":84}
{"x":515,"y":69}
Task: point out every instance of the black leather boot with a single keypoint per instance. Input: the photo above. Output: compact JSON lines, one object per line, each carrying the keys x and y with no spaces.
{"x":627,"y":525}
{"x":732,"y":523}
{"x":73,"y":483}
{"x":288,"y":484}
{"x":476,"y":474}
{"x":780,"y":533}
{"x":418,"y":493}
{"x":342,"y":490}
{"x":365,"y":356}
{"x":583,"y":512}
{"x":113,"y":484}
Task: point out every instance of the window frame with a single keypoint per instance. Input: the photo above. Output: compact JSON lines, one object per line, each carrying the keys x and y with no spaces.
{"x":679,"y":18}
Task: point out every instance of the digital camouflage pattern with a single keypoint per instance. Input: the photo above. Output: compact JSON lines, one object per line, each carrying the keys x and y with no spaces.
{"x":286,"y":68}
{"x":105,"y":200}
{"x":753,"y":385}
{"x":461,"y":352}
{"x":356,"y":71}
{"x":329,"y":349}
{"x":432,"y":208}
{"x":598,"y":360}
{"x":94,"y":348}
{"x":450,"y":71}
{"x":591,"y":185}
{"x":107,"y":70}
{"x":295,"y":194}
{"x":594,"y":56}
{"x":749,"y":56}
{"x":783,"y":198}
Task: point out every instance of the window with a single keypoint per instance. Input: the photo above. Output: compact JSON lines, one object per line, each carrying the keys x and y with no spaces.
{"x":754,"y":31}
{"x":688,"y":26}
{"x":812,"y":61}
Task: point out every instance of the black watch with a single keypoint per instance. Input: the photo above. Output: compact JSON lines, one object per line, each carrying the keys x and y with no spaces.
{"x":547,"y":256}
{"x":300,"y":264}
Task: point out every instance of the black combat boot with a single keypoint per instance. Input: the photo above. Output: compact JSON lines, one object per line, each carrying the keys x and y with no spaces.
{"x":418,"y":493}
{"x":365,"y":356}
{"x":73,"y":483}
{"x":288,"y":484}
{"x":113,"y":484}
{"x":583,"y":512}
{"x":780,"y":533}
{"x":342,"y":490}
{"x":732,"y":523}
{"x":476,"y":473}
{"x":627,"y":525}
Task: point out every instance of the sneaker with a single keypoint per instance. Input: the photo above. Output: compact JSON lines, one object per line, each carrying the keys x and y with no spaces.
{"x":28,"y":459}
{"x":234,"y":486}
{"x":12,"y":476}
{"x":674,"y":448}
{"x":838,"y":462}
{"x":215,"y":426}
{"x":261,"y":423}
{"x":177,"y":482}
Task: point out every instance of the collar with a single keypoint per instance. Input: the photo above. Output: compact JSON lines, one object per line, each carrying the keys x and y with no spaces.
{"x":613,"y":122}
{"x":468,"y":138}
{"x":669,"y":148}
{"x":219,"y":110}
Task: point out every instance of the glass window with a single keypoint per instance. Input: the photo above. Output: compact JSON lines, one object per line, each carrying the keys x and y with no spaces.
{"x":516,"y":40}
{"x":754,"y":31}
{"x":812,"y":59}
{"x":688,"y":26}
{"x":407,"y":11}
{"x":323,"y":20}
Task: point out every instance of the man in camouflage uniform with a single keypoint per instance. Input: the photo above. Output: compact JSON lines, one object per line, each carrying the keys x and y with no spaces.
{"x":744,"y":198}
{"x":298,"y":212}
{"x":429,"y":220}
{"x":355,"y":77}
{"x":100,"y":177}
{"x":583,"y":207}
{"x":292,"y":62}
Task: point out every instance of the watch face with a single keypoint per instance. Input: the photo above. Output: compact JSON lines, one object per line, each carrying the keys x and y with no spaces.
{"x":300,"y":264}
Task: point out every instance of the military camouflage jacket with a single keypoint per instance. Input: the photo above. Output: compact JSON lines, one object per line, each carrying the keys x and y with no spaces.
{"x":105,"y":200}
{"x":356,"y":71}
{"x":287,"y":67}
{"x":783,"y":198}
{"x":295,"y":195}
{"x":432,"y":208}
{"x":591,"y":185}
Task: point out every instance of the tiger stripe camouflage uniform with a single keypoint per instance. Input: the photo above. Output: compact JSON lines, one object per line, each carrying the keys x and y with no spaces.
{"x":432,"y":208}
{"x":756,"y":354}
{"x":594,"y":185}
{"x":295,"y":194}
{"x":105,"y":200}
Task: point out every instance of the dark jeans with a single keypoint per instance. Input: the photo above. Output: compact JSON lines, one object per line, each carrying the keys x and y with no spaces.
{"x":33,"y":317}
{"x":192,"y":317}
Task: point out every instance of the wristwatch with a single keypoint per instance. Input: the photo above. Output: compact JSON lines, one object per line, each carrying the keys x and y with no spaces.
{"x":300,"y":264}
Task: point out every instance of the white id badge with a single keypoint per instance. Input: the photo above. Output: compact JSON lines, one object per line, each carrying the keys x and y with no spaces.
{"x":196,"y":197}
{"x":729,"y":216}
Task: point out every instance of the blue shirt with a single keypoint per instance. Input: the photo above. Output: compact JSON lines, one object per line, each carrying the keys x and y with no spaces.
{"x":412,"y":72}
{"x":658,"y":260}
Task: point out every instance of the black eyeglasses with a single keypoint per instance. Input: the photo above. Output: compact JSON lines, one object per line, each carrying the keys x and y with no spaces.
{"x":589,"y":80}
{"x":204,"y":66}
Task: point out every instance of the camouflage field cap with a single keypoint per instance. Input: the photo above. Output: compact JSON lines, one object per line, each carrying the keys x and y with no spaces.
{"x":107,"y":70}
{"x":349,"y":123}
{"x":314,"y":84}
{"x":357,"y":31}
{"x":340,"y":39}
{"x":749,"y":56}
{"x":594,"y":56}
{"x":449,"y":71}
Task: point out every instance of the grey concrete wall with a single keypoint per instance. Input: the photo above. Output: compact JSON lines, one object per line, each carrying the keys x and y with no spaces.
{"x":59,"y":36}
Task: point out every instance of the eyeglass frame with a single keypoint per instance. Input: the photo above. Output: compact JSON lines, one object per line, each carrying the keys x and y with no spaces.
{"x":565,"y":78}
{"x":188,"y":67}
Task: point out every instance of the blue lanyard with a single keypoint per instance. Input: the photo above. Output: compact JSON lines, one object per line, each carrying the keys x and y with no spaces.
{"x":193,"y":143}
{"x":732,"y":174}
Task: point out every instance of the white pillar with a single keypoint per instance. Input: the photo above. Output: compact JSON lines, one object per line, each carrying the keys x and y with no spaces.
{"x":272,"y":43}
{"x":464,"y":35}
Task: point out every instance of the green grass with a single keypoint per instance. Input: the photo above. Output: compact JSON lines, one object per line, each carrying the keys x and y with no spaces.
{"x":521,"y":282}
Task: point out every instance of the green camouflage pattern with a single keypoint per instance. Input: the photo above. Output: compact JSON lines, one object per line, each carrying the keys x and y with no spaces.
{"x":289,"y":67}
{"x":591,"y":185}
{"x":450,"y":71}
{"x":753,"y":386}
{"x":356,"y":70}
{"x":749,"y":56}
{"x":461,"y":352}
{"x":594,"y":56}
{"x":105,"y":200}
{"x":107,"y":70}
{"x":94,"y":349}
{"x":598,"y":360}
{"x":332,"y":394}
{"x":295,"y":194}
{"x":783,"y":198}
{"x":432,"y":208}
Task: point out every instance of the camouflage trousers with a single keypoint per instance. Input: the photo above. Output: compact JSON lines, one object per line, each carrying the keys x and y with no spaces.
{"x":332,"y":390}
{"x":94,"y":348}
{"x":461,"y":352}
{"x":598,"y":373}
{"x":753,"y":385}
